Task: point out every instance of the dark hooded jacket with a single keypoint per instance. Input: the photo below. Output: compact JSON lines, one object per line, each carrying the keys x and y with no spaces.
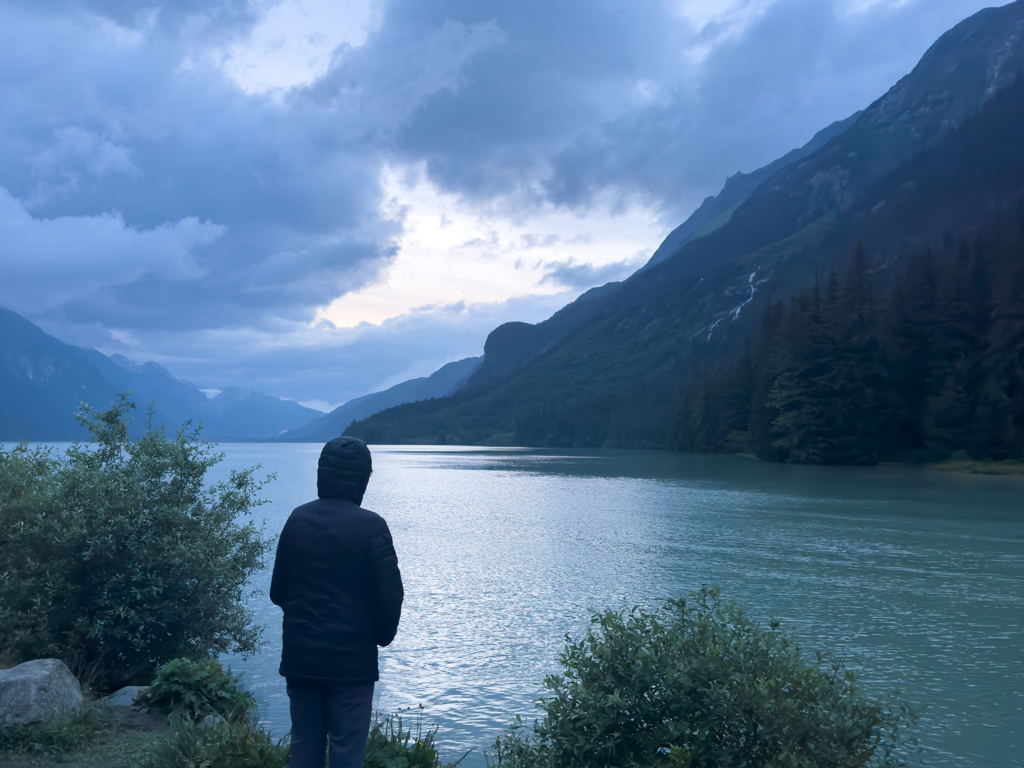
{"x":336,"y":577}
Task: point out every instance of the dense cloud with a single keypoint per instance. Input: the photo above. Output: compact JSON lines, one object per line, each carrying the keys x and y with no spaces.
{"x":573,"y":274}
{"x":645,"y":100}
{"x":109,"y":123}
{"x":759,"y":93}
{"x":154,"y":204}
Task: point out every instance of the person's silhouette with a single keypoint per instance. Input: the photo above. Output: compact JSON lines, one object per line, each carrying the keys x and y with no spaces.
{"x":336,"y":577}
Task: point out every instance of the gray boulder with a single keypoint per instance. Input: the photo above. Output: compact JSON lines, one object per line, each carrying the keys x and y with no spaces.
{"x":212,"y":720}
{"x":38,"y":691}
{"x":125,"y":697}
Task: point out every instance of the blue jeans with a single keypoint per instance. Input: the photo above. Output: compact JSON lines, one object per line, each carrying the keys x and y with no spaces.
{"x":337,"y":714}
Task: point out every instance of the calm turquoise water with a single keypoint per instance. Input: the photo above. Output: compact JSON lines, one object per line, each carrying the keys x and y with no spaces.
{"x":918,"y":574}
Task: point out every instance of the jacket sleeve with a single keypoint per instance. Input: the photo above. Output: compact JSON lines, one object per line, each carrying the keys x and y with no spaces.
{"x":388,"y":583}
{"x":279,"y":579}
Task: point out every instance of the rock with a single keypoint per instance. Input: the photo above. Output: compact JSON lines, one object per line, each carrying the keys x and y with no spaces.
{"x":38,"y":692}
{"x":211,"y":721}
{"x":125,"y":697}
{"x":131,"y":719}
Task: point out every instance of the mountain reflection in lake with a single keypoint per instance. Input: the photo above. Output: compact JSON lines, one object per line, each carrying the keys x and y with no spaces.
{"x":919,"y":574}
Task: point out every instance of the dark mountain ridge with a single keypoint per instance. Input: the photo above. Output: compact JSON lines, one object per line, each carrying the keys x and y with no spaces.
{"x":44,"y":381}
{"x":445,"y":381}
{"x":512,"y":345}
{"x":716,"y":211}
{"x":933,"y":161}
{"x":246,"y":413}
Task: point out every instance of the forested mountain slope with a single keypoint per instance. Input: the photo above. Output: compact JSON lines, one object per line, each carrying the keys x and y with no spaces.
{"x":929,"y":172}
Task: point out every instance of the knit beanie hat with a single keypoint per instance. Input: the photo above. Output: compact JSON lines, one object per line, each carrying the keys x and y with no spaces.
{"x":344,"y":469}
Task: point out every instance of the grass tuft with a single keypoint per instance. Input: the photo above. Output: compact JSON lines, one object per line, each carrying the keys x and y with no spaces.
{"x":236,"y":743}
{"x":69,"y":735}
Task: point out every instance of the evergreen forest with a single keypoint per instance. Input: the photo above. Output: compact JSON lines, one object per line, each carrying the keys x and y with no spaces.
{"x":916,"y":359}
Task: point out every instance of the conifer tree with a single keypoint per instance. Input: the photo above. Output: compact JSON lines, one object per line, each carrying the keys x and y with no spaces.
{"x":803,"y":393}
{"x":960,"y":342}
{"x":913,"y":322}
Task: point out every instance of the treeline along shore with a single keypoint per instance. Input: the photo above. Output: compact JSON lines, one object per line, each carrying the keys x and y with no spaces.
{"x":844,"y":373}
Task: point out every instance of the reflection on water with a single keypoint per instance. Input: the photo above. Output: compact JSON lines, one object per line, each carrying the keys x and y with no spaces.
{"x":918,"y":574}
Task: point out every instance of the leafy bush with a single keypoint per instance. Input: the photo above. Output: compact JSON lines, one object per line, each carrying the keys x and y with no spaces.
{"x":698,"y":684}
{"x":235,"y":743}
{"x":67,"y":735}
{"x":194,"y":689}
{"x":116,"y":558}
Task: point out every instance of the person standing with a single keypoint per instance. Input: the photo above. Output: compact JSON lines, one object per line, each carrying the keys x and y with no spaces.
{"x":336,"y":577}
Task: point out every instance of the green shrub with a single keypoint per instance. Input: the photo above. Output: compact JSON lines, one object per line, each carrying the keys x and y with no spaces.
{"x":117,"y":558}
{"x":194,"y":689}
{"x":699,"y":685}
{"x":235,"y":743}
{"x":68,"y":735}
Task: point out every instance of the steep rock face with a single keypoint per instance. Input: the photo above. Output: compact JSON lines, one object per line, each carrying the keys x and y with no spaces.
{"x":716,"y":211}
{"x":512,"y":345}
{"x":965,"y":68}
{"x":932,"y":160}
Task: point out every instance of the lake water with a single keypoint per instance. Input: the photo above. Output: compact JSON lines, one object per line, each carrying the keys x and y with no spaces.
{"x":919,"y":574}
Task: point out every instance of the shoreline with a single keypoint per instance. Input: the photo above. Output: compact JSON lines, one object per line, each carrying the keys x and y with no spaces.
{"x":958,"y":462}
{"x":970,"y":466}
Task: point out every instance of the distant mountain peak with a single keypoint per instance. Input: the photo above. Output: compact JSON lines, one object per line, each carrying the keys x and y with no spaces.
{"x":235,"y":393}
{"x":445,"y":381}
{"x":963,"y":68}
{"x":123,"y":362}
{"x":43,"y":381}
{"x":133,"y":367}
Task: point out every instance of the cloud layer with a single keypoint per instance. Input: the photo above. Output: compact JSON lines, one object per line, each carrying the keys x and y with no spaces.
{"x":198,"y":183}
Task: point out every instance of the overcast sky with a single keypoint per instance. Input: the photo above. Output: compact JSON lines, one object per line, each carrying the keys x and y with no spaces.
{"x":321,"y":198}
